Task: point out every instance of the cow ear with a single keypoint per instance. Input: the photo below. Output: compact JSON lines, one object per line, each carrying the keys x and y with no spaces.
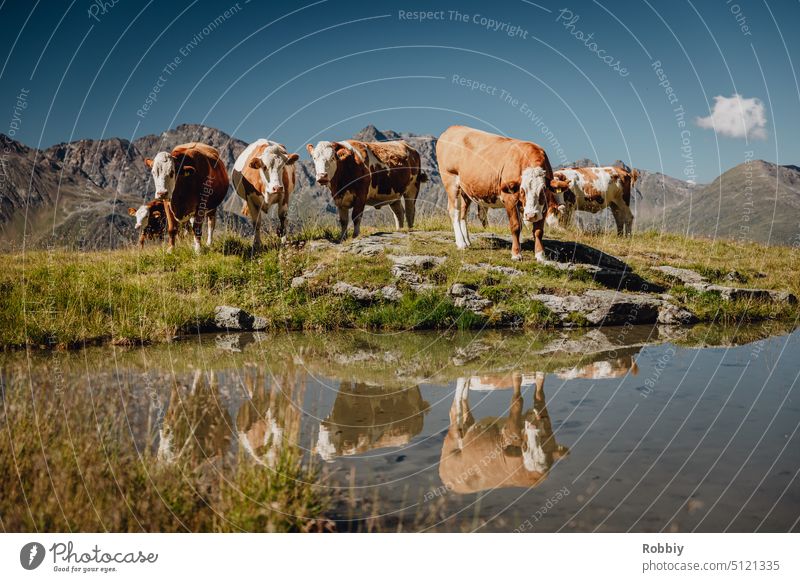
{"x":292,"y":158}
{"x":155,"y":214}
{"x":255,"y":163}
{"x":343,"y":153}
{"x":148,"y":162}
{"x":187,"y":171}
{"x":310,"y":149}
{"x":132,"y":211}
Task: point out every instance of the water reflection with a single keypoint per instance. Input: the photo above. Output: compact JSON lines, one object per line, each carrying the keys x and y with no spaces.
{"x":366,"y":417}
{"x":514,"y":451}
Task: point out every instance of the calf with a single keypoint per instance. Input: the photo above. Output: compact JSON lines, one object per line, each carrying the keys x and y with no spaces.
{"x":592,"y":190}
{"x":495,"y":172}
{"x":151,"y":221}
{"x":192,"y":182}
{"x":263,"y":175}
{"x":369,"y":173}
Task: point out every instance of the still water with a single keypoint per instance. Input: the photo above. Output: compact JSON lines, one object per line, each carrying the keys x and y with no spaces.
{"x":617,"y":429}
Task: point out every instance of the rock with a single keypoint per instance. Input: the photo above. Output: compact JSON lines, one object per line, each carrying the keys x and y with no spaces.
{"x":509,"y":271}
{"x":735,"y":277}
{"x":305,"y":277}
{"x":233,"y":342}
{"x":670,"y":314}
{"x":416,"y":261}
{"x":227,"y":317}
{"x":390,"y":293}
{"x":611,"y":278}
{"x":404,"y":265}
{"x":374,"y":244}
{"x":387,"y":293}
{"x":697,"y":281}
{"x":686,"y":276}
{"x":358,"y":293}
{"x":596,"y":307}
{"x":467,"y":298}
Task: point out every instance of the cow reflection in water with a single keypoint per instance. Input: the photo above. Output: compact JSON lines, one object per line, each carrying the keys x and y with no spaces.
{"x":516,"y":451}
{"x":270,"y":418}
{"x":366,"y":417}
{"x":199,"y":430}
{"x":196,"y":426}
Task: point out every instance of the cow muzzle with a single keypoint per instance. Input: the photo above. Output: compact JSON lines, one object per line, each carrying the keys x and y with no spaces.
{"x":322,"y":178}
{"x":276,"y":190}
{"x":163,"y":195}
{"x":533,"y":217}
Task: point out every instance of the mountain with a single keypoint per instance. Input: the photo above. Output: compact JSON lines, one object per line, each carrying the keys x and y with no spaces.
{"x":78,"y":193}
{"x":755,"y":201}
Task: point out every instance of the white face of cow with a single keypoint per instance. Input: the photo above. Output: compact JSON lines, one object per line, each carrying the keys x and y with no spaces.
{"x":532,"y":186}
{"x":164,"y":172}
{"x":142,"y":216}
{"x":271,"y":163}
{"x":324,"y":156}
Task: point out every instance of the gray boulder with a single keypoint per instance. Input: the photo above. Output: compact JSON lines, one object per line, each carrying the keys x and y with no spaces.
{"x":227,"y":317}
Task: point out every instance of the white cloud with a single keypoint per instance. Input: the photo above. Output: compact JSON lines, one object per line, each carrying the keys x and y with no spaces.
{"x":736,"y":116}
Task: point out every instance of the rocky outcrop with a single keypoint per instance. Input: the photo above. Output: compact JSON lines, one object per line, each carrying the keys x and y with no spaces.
{"x":603,"y":307}
{"x":695,"y":280}
{"x":404,"y":269}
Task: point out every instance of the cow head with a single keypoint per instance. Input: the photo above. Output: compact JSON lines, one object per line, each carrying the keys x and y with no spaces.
{"x":326,"y":156}
{"x":271,"y":164}
{"x":143,"y":214}
{"x":562,"y":195}
{"x":532,"y":188}
{"x":164,"y":168}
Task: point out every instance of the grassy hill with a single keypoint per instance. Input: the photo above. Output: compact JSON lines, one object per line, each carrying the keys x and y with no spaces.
{"x":67,"y":298}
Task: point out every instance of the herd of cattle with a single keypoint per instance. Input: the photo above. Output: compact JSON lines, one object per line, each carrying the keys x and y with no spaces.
{"x":491,"y":170}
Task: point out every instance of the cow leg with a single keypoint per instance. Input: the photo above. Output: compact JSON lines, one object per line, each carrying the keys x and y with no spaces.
{"x":197,"y":230}
{"x":515,"y":226}
{"x":512,"y":431}
{"x":538,"y":247}
{"x":212,"y":223}
{"x":358,"y":214}
{"x":411,"y":209}
{"x":254,"y":210}
{"x":460,"y":414}
{"x":462,"y":218}
{"x":483,"y":215}
{"x":344,"y":218}
{"x":172,"y":226}
{"x":619,"y":218}
{"x":283,"y":211}
{"x":141,"y":240}
{"x":450,"y":183}
{"x":397,"y":210}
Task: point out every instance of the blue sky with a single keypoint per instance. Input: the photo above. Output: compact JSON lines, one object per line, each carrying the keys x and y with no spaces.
{"x":305,"y":71}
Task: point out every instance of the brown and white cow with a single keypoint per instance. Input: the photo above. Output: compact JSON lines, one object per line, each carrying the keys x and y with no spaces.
{"x":192,"y":182}
{"x":491,"y":453}
{"x":369,"y":173}
{"x":592,"y":190}
{"x":263,"y":176}
{"x":495,"y":172}
{"x":151,"y":221}
{"x":602,"y":369}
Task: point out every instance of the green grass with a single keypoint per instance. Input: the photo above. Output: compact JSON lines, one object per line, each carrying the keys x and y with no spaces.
{"x":69,"y":462}
{"x":65,"y":298}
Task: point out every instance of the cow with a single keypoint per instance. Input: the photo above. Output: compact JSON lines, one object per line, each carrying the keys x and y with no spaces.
{"x":151,"y":221}
{"x":592,"y":190}
{"x":602,"y":370}
{"x":192,"y":182}
{"x":516,"y":451}
{"x":366,"y":417}
{"x":495,"y":172}
{"x":376,"y":174}
{"x":263,"y":175}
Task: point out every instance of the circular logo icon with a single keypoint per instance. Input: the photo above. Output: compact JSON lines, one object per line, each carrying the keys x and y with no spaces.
{"x":31,"y":555}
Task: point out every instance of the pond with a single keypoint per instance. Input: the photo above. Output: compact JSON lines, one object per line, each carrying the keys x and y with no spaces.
{"x":612,"y":429}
